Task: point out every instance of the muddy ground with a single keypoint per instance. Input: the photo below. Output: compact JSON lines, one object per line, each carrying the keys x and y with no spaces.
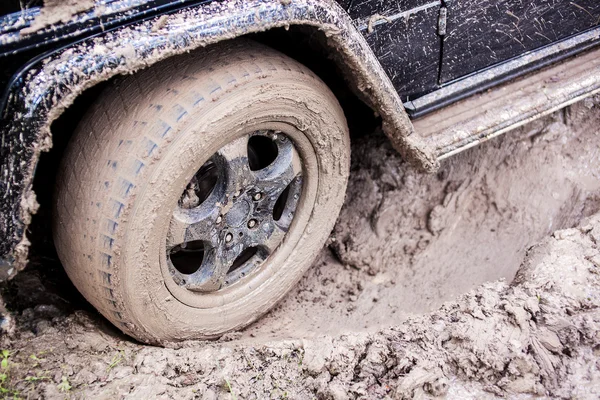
{"x":480,"y":281}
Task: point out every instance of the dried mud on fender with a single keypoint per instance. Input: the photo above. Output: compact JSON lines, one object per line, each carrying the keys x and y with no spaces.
{"x":56,"y":11}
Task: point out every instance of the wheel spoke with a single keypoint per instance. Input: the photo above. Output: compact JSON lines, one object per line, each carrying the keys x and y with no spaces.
{"x":277,"y":176}
{"x":213,"y":272}
{"x":274,"y":238}
{"x":233,"y":159}
{"x":189,"y":225}
{"x":215,"y":269}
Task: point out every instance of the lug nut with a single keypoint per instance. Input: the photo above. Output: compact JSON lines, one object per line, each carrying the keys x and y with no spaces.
{"x":252,"y":223}
{"x":257,"y":196}
{"x":228,"y":237}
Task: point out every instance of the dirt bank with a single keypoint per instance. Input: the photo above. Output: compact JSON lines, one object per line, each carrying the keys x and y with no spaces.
{"x":382,"y":312}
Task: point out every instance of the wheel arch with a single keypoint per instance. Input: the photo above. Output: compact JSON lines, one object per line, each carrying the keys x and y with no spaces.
{"x":50,"y":84}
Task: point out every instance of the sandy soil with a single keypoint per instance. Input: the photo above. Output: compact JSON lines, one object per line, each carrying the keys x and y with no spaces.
{"x":480,"y":281}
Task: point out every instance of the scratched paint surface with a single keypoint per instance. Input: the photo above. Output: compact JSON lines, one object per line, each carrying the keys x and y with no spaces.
{"x":408,"y":49}
{"x":403,"y":36}
{"x":361,"y":9}
{"x":485,"y":32}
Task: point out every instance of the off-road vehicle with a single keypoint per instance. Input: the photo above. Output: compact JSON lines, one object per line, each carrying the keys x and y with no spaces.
{"x":199,"y":150}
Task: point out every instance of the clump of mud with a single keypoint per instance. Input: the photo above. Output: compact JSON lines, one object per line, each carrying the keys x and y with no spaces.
{"x":57,"y":11}
{"x":382,"y":314}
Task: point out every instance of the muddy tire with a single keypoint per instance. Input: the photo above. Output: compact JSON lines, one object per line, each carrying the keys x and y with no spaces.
{"x":196,"y":193}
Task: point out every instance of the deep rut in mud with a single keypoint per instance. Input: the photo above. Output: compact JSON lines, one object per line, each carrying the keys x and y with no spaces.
{"x":409,"y":242}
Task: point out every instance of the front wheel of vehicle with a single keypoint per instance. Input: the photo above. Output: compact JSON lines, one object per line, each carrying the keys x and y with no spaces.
{"x":196,"y":193}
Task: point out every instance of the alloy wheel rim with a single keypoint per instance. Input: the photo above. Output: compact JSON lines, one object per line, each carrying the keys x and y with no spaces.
{"x":235,"y":212}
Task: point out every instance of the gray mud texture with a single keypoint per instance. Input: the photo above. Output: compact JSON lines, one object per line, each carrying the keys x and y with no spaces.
{"x":479,"y":282}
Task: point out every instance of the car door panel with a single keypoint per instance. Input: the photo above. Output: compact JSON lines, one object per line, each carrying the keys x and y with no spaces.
{"x":408,"y":49}
{"x":481,"y":33}
{"x":403,"y":36}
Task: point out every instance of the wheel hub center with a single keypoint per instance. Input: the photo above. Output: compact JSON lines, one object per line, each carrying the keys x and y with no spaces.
{"x":238,"y":213}
{"x":244,"y":200}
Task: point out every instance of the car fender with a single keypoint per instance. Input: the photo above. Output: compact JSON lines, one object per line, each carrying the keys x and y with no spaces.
{"x":39,"y":94}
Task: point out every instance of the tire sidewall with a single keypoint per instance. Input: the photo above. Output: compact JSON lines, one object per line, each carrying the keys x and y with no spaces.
{"x":158,"y":315}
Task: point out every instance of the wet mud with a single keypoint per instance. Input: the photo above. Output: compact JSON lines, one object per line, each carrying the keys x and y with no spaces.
{"x":479,"y":282}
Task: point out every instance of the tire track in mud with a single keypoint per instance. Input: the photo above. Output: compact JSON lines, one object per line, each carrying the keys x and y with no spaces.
{"x":406,"y":242}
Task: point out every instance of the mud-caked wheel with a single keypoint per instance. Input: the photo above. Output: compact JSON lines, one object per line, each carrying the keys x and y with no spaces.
{"x":196,"y":193}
